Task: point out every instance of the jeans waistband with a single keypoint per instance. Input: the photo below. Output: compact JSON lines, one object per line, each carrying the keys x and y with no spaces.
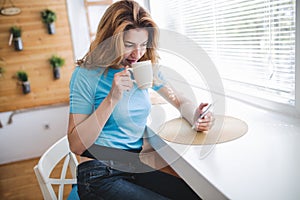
{"x":109,"y":153}
{"x":111,"y":165}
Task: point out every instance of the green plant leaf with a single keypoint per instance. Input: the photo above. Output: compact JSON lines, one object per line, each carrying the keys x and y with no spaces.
{"x":16,"y":31}
{"x":48,"y":16}
{"x":57,"y":61}
{"x":22,"y":76}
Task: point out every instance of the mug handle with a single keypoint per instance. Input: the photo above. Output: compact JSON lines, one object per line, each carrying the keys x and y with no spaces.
{"x":131,"y":72}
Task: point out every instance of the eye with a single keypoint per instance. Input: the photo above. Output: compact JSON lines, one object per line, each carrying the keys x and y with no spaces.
{"x":128,"y":45}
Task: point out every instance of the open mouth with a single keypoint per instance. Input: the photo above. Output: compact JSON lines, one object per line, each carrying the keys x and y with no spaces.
{"x":131,"y":61}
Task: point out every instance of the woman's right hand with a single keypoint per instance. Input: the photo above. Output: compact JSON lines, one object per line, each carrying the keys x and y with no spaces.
{"x":121,"y":82}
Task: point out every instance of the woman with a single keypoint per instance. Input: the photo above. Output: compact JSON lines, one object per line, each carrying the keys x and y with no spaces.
{"x":105,"y":126}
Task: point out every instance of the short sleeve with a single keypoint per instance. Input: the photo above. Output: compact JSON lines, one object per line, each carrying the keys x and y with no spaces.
{"x":159,"y":81}
{"x":83,"y":86}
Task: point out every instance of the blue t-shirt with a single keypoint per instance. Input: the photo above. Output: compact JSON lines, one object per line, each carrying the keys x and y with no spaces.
{"x":125,"y":127}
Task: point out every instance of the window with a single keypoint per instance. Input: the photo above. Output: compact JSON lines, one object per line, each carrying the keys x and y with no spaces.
{"x":252,"y":43}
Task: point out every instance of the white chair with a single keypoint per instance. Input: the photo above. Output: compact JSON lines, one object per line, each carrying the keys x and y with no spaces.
{"x":58,"y":151}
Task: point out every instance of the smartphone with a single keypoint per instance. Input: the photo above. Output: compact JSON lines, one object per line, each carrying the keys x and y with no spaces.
{"x":207,"y":108}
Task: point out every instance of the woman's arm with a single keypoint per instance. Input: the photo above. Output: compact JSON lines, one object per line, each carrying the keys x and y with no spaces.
{"x":188,"y":109}
{"x":83,"y":129}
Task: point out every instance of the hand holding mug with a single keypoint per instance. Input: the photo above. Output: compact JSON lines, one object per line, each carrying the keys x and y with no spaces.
{"x":122,"y":82}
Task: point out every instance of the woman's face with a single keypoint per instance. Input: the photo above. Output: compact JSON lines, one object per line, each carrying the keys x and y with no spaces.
{"x":135,"y":42}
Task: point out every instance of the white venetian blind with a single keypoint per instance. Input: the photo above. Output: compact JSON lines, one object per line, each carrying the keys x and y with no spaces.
{"x":252,"y":43}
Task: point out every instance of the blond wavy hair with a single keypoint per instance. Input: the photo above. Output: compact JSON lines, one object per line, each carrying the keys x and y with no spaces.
{"x":107,"y":50}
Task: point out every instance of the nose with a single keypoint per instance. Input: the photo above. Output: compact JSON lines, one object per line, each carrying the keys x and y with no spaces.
{"x":136,"y":53}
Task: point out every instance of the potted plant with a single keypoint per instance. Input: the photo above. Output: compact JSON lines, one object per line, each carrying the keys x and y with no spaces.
{"x":23,"y":78}
{"x":49,"y":17}
{"x":56,"y":63}
{"x":16,"y":36}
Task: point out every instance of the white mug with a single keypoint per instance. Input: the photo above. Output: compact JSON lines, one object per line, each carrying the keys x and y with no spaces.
{"x":142,"y":74}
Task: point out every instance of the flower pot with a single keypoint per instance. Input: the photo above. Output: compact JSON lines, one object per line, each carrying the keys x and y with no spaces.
{"x":18,"y":44}
{"x":56,"y":72}
{"x":51,"y":28}
{"x":26,"y":87}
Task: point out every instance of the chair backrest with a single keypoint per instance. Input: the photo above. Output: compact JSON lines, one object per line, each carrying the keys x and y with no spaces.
{"x":58,"y":151}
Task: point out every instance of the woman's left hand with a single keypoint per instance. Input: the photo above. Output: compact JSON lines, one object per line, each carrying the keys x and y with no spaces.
{"x":204,"y":123}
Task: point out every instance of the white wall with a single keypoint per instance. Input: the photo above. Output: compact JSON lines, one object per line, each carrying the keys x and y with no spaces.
{"x":79,"y":27}
{"x":31,"y":133}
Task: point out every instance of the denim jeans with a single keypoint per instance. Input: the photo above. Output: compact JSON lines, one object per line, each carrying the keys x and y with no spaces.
{"x":98,"y":179}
